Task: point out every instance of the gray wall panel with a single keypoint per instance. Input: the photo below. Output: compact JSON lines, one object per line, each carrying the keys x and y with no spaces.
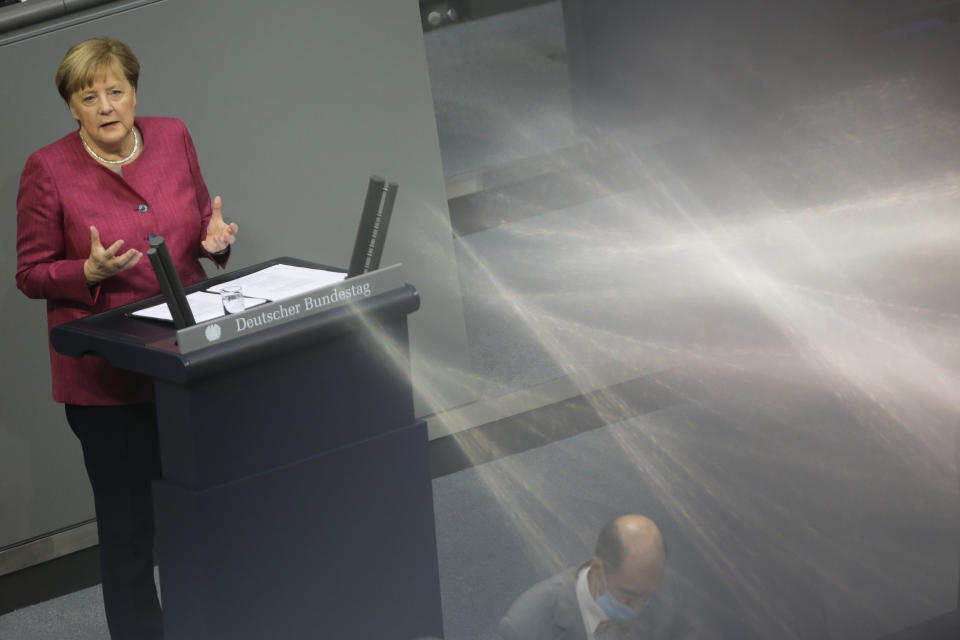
{"x":291,"y":106}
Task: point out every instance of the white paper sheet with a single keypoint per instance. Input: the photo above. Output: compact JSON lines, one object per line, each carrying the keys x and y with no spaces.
{"x":282,"y":281}
{"x":205,"y":306}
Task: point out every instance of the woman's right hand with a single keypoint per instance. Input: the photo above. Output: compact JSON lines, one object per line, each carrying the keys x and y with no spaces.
{"x":104,"y":263}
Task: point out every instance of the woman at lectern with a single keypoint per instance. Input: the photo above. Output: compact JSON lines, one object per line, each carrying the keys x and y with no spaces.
{"x":87,"y":206}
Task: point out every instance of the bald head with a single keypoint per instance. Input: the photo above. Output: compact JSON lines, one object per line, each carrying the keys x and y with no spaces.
{"x":629,"y":536}
{"x":631,"y":556}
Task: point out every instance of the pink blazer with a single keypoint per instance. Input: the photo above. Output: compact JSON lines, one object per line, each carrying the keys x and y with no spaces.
{"x":62,"y":192}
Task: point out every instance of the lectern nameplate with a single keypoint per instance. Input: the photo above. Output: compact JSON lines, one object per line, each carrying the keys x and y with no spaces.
{"x":285,"y":310}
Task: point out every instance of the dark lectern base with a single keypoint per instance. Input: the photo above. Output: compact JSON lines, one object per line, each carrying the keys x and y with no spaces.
{"x":335,"y":536}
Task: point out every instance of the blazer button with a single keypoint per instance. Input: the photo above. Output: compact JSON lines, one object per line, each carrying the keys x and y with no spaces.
{"x":143,"y":208}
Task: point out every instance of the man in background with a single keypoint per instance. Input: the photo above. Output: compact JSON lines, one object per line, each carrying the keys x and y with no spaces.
{"x":618,"y":594}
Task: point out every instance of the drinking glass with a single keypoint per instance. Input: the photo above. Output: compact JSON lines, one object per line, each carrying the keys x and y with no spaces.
{"x":232,"y":298}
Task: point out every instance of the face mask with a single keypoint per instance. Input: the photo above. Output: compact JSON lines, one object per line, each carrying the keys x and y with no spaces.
{"x":614,"y":609}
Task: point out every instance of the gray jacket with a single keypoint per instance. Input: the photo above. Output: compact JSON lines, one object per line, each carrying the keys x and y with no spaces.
{"x":549,"y":611}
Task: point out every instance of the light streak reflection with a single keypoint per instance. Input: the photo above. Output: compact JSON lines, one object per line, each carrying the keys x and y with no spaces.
{"x":813,"y":346}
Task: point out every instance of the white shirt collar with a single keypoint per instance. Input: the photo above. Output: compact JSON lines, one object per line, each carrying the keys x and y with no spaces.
{"x":590,"y":611}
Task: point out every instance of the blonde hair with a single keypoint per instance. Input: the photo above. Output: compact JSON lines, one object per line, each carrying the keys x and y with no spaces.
{"x":85,"y":60}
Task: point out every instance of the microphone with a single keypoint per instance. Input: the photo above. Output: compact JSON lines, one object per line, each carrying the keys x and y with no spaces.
{"x":170,"y":283}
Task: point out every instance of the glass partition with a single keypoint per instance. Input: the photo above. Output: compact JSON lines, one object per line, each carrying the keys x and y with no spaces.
{"x":708,"y":259}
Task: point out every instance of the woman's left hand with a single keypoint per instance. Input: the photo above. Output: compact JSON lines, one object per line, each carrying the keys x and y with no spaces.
{"x":220,"y":235}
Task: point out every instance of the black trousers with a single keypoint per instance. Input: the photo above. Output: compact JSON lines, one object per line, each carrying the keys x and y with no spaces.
{"x":121,"y":453}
